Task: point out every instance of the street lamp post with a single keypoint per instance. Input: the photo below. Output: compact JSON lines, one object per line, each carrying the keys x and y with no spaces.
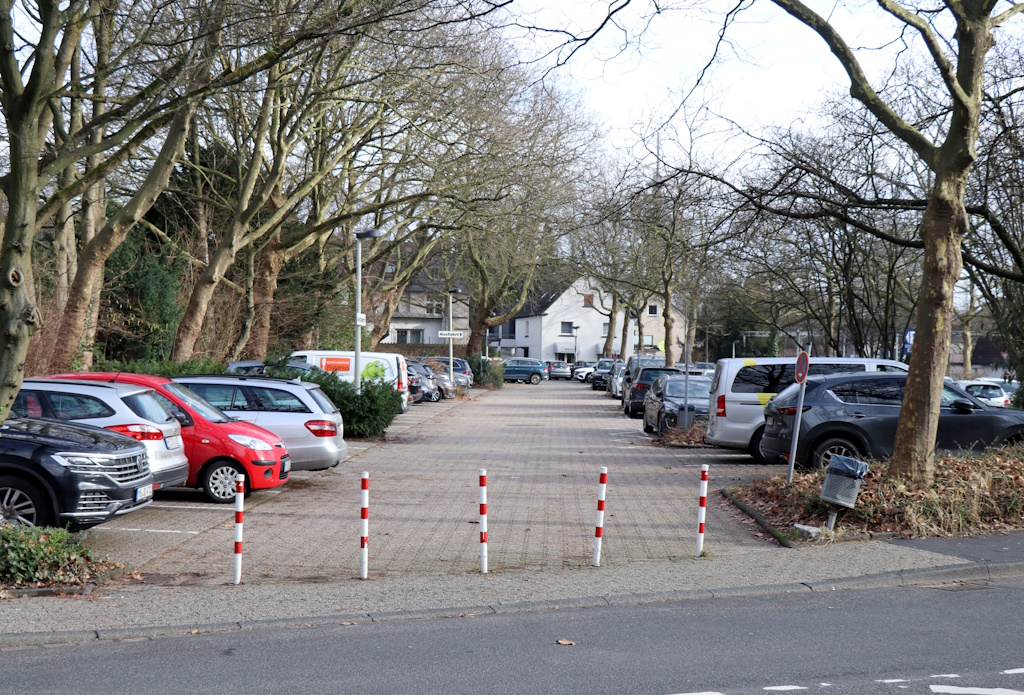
{"x":451,"y":340}
{"x":360,"y":316}
{"x":575,"y":344}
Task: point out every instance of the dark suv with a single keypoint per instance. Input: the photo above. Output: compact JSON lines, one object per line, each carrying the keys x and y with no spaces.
{"x":633,"y":394}
{"x":57,"y":473}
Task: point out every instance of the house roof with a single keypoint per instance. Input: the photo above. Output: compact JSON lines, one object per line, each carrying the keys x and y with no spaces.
{"x":541,"y":300}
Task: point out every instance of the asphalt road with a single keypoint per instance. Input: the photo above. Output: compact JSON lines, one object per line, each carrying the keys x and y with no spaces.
{"x":950,"y":639}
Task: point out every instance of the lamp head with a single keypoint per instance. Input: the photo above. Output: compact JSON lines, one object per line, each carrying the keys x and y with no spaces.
{"x":369,"y":234}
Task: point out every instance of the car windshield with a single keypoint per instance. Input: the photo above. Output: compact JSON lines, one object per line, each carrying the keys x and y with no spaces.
{"x":189,"y":398}
{"x":698,"y":388}
{"x":322,"y":400}
{"x":605,"y":364}
{"x":146,"y":405}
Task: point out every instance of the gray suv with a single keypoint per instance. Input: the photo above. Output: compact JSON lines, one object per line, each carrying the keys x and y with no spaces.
{"x":296,"y":411}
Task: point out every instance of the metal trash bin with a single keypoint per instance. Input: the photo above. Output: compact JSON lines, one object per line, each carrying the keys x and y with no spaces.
{"x":842,"y":480}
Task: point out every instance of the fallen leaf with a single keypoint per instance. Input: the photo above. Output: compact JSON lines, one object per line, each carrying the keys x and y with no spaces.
{"x":565,"y":642}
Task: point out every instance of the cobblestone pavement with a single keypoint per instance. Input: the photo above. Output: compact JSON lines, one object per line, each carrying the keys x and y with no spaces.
{"x":542,"y":447}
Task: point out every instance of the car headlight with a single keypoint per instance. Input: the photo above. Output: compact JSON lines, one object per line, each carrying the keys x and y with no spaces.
{"x":80,"y":462}
{"x":251,"y":442}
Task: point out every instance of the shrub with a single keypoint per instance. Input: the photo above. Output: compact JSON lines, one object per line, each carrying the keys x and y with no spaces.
{"x":35,"y":555}
{"x":489,"y":373}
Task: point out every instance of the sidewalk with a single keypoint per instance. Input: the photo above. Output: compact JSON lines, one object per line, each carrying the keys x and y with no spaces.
{"x":542,"y":448}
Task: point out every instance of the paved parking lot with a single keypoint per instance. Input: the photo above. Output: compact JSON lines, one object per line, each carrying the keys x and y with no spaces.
{"x":542,"y":447}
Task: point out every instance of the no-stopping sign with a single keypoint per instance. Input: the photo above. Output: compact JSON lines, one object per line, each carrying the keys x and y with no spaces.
{"x":802,"y":362}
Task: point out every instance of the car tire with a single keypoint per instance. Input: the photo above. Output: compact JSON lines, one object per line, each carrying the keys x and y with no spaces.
{"x":535,"y":379}
{"x":218,"y":481}
{"x":755,"y":448}
{"x":833,"y":445}
{"x":589,"y":378}
{"x":23,"y":503}
{"x":659,"y":427}
{"x":647,"y":428}
{"x":435,"y":395}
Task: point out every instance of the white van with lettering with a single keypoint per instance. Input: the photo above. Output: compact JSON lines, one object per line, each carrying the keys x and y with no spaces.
{"x":389,"y":366}
{"x":741,"y":387}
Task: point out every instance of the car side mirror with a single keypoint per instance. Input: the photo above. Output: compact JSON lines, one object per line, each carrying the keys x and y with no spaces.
{"x":182,"y":417}
{"x":962,"y":405}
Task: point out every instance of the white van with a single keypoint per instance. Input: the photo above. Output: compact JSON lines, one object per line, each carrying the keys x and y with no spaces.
{"x":389,"y":366}
{"x":741,"y":387}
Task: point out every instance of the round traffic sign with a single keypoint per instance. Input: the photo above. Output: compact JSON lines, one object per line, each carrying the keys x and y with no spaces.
{"x":802,"y":362}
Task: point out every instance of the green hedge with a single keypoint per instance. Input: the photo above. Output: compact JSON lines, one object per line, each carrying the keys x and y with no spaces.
{"x":488,"y":373}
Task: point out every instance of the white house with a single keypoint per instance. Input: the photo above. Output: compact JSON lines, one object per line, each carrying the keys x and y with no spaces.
{"x":422,"y":311}
{"x":569,"y":323}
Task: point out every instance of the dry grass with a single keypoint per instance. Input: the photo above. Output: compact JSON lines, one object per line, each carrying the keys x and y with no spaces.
{"x":680,"y":437}
{"x":971,"y":494}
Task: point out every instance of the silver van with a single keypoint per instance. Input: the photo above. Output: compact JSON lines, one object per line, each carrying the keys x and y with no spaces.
{"x":741,"y":387}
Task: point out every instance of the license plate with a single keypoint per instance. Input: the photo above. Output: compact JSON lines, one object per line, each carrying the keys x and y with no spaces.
{"x":287,"y":462}
{"x":173,"y":442}
{"x":143,"y":493}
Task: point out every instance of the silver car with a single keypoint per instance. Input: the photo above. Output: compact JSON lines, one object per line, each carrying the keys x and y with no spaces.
{"x":128,"y":409}
{"x":296,"y":411}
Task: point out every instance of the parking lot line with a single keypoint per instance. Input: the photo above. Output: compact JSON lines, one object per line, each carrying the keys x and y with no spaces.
{"x":145,"y":530}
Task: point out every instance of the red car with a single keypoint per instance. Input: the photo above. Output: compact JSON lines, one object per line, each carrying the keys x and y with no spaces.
{"x":217,"y":447}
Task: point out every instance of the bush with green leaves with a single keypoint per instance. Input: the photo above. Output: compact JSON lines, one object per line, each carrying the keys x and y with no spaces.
{"x":489,"y":373}
{"x":37,"y":555}
{"x":162,"y":367}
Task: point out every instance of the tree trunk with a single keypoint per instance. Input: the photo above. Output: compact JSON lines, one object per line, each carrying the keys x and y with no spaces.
{"x":609,"y":340}
{"x":624,"y":343}
{"x":944,"y":224}
{"x":968,"y":350}
{"x":670,"y":322}
{"x":250,"y":308}
{"x":199,"y":303}
{"x":272,"y":260}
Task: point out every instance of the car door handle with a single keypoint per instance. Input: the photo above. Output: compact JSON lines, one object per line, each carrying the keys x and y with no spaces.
{"x":858,"y":414}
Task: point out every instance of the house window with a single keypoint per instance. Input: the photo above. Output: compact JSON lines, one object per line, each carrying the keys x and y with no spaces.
{"x":588,"y":300}
{"x":406,"y":336}
{"x":604,"y":330}
{"x":648,"y":340}
{"x":652,"y":309}
{"x":435,"y":307}
{"x":566,"y":328}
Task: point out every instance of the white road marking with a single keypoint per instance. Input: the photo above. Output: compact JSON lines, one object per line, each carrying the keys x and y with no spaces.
{"x":894,"y":680}
{"x":703,"y":693}
{"x":1013,"y":671}
{"x":785,"y":687}
{"x":146,"y":530}
{"x":953,"y":690}
{"x":946,"y":675}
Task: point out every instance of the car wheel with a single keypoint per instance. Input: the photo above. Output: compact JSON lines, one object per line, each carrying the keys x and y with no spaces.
{"x":588,"y":378}
{"x":647,"y":428}
{"x":435,"y":395}
{"x":535,"y":379}
{"x":659,"y":428}
{"x":218,"y":481}
{"x":833,"y":446}
{"x":755,"y":448}
{"x":22,"y":503}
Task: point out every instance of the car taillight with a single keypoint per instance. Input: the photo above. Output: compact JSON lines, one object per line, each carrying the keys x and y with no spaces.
{"x":720,"y":411}
{"x":641,"y":385}
{"x":143,"y":433}
{"x":791,"y":409}
{"x":322,"y":428}
{"x":401,"y":382}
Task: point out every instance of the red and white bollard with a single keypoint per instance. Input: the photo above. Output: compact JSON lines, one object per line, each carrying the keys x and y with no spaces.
{"x":364,"y":527}
{"x":483,"y":521}
{"x":703,"y":508}
{"x":600,"y":516}
{"x":239,"y":501}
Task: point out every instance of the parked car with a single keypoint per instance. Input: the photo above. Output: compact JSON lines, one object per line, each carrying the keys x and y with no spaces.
{"x":218,"y":447}
{"x":579,"y":364}
{"x":583,"y":373}
{"x":128,"y":409}
{"x":987,"y":392}
{"x":615,"y":380}
{"x":457,"y":365}
{"x":417,"y":389}
{"x":741,"y":387}
{"x":302,"y":415}
{"x":56,"y":473}
{"x":671,"y":396}
{"x":603,"y":364}
{"x":523,"y":369}
{"x":636,"y":390}
{"x":560,"y":370}
{"x":602,"y":370}
{"x":433,"y":392}
{"x":631,"y":367}
{"x":856,"y":414}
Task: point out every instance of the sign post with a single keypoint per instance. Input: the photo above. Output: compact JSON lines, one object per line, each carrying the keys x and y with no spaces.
{"x":802,"y":365}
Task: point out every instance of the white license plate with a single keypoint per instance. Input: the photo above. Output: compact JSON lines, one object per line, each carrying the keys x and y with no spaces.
{"x":287,"y":464}
{"x":173,"y":442}
{"x":143,"y":493}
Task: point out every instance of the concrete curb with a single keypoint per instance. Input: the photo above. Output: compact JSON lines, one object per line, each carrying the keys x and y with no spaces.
{"x":758,"y":517}
{"x":933,"y":576}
